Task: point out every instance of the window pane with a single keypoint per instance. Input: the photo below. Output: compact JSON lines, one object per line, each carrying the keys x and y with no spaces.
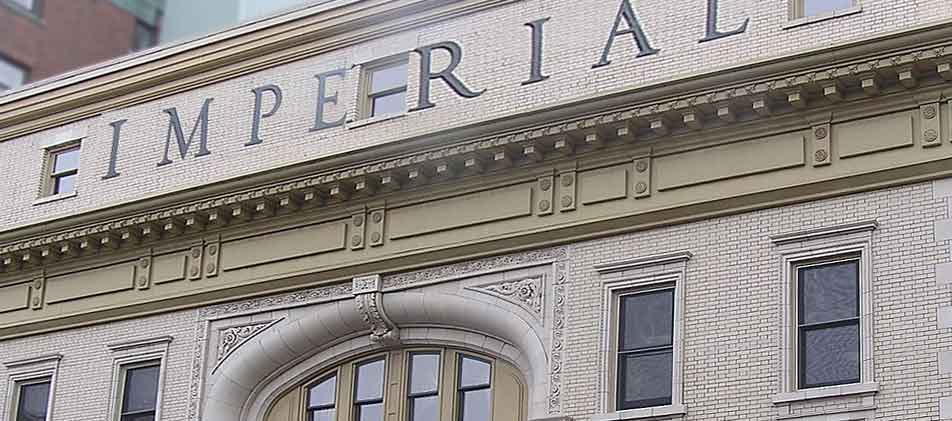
{"x":11,"y":75}
{"x":475,"y":405}
{"x":473,"y":372}
{"x":26,"y":4}
{"x":323,"y":394}
{"x":32,"y":402}
{"x":645,"y":380}
{"x":65,"y":184}
{"x":322,"y":415}
{"x":149,"y":416}
{"x":370,"y":412}
{"x":424,"y":372}
{"x":647,"y":320}
{"x":389,"y":104}
{"x":830,"y":356}
{"x":370,"y":381}
{"x":425,"y":409}
{"x":66,"y":160}
{"x":829,"y":292}
{"x":388,"y":78}
{"x":815,"y":7}
{"x":142,"y":386}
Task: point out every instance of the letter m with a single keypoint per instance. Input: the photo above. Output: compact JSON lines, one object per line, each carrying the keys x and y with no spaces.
{"x":175,"y":127}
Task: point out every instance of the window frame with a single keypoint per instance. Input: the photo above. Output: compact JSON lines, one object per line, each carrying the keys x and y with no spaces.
{"x":131,"y":358}
{"x":619,"y":353}
{"x":368,"y":96}
{"x":461,"y":390}
{"x":410,"y":396}
{"x":846,"y":241}
{"x":308,"y":409}
{"x":52,"y":177}
{"x":397,"y":368}
{"x":24,"y":70}
{"x":796,"y":15}
{"x":357,"y":404}
{"x":31,"y":371}
{"x":802,"y":328}
{"x":33,"y":380}
{"x":654,"y":273}
{"x":124,"y":378}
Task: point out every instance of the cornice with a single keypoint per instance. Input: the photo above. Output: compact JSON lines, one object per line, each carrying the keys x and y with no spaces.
{"x":163,"y":72}
{"x":646,"y":123}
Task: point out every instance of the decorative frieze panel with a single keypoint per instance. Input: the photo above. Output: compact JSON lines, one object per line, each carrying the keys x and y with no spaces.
{"x":232,"y":337}
{"x":931,"y":124}
{"x":821,"y":145}
{"x":526,"y":293}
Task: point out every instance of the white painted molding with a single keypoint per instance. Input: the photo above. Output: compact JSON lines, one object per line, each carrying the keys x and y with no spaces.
{"x":826,"y":392}
{"x":32,"y":360}
{"x":139,"y":343}
{"x":818,"y":233}
{"x":640,"y":262}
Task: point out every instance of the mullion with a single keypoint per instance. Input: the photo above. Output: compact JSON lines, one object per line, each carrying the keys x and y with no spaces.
{"x":474,"y":387}
{"x":65,"y":173}
{"x":387,"y":92}
{"x":321,"y":407}
{"x":423,"y":394}
{"x":832,"y":323}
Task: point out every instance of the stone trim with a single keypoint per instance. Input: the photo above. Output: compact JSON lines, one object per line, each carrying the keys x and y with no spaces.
{"x":642,"y":413}
{"x":139,"y":343}
{"x":633,"y":275}
{"x":32,"y":361}
{"x":27,"y":371}
{"x":823,"y":247}
{"x":788,"y":94}
{"x":827,"y":392}
{"x":643,"y":262}
{"x":818,"y":233}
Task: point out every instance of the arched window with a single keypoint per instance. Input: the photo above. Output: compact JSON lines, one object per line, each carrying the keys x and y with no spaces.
{"x":413,"y":384}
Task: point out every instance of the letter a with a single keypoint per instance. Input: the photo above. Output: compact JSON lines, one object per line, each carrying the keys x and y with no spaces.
{"x":626,"y":12}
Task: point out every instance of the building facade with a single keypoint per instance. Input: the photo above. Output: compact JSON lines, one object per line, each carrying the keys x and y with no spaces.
{"x":40,"y":38}
{"x":482,"y":210}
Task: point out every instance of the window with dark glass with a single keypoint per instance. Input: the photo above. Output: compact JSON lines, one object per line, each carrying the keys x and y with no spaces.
{"x":475,"y":400}
{"x":32,"y":400}
{"x":321,"y":400}
{"x":645,"y":349}
{"x":387,"y":88}
{"x":828,"y":324}
{"x":64,"y":170}
{"x":368,"y":391}
{"x":423,"y":396}
{"x":140,"y":391}
{"x":12,"y":75}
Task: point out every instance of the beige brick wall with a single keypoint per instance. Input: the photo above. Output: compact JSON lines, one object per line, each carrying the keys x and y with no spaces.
{"x":496,"y":58}
{"x":732,"y":316}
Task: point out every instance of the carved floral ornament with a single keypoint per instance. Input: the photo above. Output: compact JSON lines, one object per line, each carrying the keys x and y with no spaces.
{"x":707,"y":110}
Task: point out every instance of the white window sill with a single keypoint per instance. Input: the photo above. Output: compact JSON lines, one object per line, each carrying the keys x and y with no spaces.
{"x":53,"y":198}
{"x":642,"y":413}
{"x":826,"y":392}
{"x":379,"y":119}
{"x":833,"y":14}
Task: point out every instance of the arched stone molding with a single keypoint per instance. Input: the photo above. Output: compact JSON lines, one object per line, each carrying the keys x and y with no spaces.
{"x":245,"y":383}
{"x":331,"y":357}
